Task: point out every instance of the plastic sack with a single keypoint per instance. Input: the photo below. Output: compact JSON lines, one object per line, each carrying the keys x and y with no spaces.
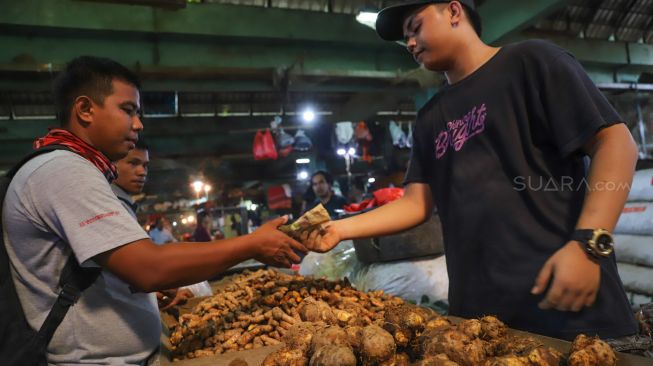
{"x":634,"y":249}
{"x":636,"y":278}
{"x":410,"y":280}
{"x":264,"y":147}
{"x":336,"y":264}
{"x":642,"y":187}
{"x":636,"y":219}
{"x":200,"y":289}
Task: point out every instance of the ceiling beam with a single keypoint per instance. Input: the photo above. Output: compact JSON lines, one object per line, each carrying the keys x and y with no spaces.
{"x":502,"y":17}
{"x":205,"y":20}
{"x":616,"y":61}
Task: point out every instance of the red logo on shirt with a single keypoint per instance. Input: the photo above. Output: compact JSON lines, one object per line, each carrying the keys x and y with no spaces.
{"x":634,"y":209}
{"x":460,"y":130}
{"x":98,"y":217}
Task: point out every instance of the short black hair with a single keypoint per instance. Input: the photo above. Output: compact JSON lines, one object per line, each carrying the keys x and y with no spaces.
{"x":90,"y":76}
{"x":325,"y":174}
{"x":474,"y":19}
{"x":141,"y":144}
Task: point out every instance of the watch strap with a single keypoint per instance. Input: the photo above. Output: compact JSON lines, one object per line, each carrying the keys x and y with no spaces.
{"x":582,"y":235}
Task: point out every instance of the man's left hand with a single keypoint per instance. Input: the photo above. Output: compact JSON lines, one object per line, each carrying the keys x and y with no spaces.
{"x":576,"y":279}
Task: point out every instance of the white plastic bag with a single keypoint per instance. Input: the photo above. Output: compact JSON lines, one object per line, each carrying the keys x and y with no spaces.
{"x":200,"y":289}
{"x":334,"y":265}
{"x":410,"y":280}
{"x":344,"y":132}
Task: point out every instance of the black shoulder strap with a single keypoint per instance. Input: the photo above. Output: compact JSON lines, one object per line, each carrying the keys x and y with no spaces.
{"x":74,"y":279}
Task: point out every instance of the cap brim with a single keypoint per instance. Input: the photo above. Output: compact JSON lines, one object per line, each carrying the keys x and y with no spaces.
{"x":390,"y":21}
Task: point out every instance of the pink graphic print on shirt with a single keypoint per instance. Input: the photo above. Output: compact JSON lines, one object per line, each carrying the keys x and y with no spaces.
{"x":460,"y":130}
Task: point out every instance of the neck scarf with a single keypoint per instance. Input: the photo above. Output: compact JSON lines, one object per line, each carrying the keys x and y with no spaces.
{"x":57,"y":136}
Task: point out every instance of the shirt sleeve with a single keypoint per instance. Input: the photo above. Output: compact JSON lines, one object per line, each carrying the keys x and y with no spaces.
{"x":417,"y":167}
{"x":76,"y":202}
{"x":575,"y":108}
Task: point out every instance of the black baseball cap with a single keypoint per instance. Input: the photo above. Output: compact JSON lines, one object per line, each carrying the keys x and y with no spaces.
{"x":390,"y":21}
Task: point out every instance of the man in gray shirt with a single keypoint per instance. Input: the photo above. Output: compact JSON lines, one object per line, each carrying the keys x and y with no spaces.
{"x":61,"y":204}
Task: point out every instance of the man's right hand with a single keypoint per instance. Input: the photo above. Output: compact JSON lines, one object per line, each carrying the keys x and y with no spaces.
{"x":323,"y":239}
{"x":274,"y":247}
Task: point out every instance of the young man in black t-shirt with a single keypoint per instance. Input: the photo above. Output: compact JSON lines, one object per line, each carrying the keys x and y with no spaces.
{"x":500,"y":150}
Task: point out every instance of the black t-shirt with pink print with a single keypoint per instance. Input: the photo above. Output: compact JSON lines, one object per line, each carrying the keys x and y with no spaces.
{"x":501,"y":152}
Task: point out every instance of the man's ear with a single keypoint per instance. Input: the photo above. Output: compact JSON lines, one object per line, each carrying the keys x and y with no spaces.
{"x":83,"y":109}
{"x":456,"y":12}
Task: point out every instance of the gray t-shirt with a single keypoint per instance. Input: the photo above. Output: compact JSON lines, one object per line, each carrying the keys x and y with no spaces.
{"x":58,"y":201}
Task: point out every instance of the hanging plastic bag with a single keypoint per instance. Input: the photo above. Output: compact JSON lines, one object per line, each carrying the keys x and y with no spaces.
{"x":284,"y":139}
{"x":398,"y":135}
{"x":263,"y":147}
{"x":258,"y":149}
{"x":344,"y":132}
{"x":302,"y":142}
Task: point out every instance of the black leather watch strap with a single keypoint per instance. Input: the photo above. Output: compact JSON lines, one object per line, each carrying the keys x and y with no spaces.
{"x":582,"y":235}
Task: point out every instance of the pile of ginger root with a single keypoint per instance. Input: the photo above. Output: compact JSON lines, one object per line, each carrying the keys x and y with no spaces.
{"x":323,"y":323}
{"x":412,"y":335}
{"x":256,"y":309}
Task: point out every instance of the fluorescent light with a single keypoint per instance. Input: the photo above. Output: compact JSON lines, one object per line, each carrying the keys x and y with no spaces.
{"x":342,"y":152}
{"x":308,"y":115}
{"x":367,"y":18}
{"x":371,"y":180}
{"x":303,"y":175}
{"x":303,"y":161}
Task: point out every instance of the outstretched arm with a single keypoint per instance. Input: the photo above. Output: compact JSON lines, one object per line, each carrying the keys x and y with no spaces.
{"x":149,"y":267}
{"x":412,"y":209}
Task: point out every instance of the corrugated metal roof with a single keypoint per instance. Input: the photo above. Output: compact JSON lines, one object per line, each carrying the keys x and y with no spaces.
{"x":619,"y":20}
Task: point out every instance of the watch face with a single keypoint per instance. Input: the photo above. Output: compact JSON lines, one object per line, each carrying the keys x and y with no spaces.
{"x":604,"y":243}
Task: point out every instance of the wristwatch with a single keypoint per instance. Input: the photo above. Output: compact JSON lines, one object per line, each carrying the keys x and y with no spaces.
{"x":598,"y":242}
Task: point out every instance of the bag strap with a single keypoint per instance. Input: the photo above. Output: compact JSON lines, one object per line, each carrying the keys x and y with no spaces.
{"x":74,"y":279}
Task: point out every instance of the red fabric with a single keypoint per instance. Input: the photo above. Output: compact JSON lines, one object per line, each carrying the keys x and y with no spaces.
{"x":264,"y":147}
{"x":363,"y":205}
{"x":57,"y":136}
{"x":387,"y":195}
{"x":364,"y":138}
{"x":278,"y":199}
{"x":381,"y":197}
